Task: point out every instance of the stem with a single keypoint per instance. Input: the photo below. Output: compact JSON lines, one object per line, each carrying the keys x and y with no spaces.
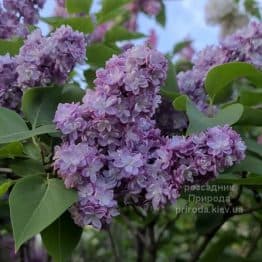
{"x":140,"y":247}
{"x":207,"y":239}
{"x":114,"y":249}
{"x":209,"y":236}
{"x":153,"y":244}
{"x":23,"y":254}
{"x":253,"y":244}
{"x":167,"y":225}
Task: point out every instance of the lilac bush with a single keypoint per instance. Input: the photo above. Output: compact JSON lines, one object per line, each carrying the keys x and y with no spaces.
{"x":76,"y":158}
{"x":113,"y":153}
{"x":245,"y":45}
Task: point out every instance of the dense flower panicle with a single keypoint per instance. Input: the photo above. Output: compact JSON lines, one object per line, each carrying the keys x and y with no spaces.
{"x":45,"y":60}
{"x":245,"y":45}
{"x":113,"y":153}
{"x":201,"y":157}
{"x":217,"y":10}
{"x":150,"y":7}
{"x":28,"y":9}
{"x":188,"y":52}
{"x":152,"y":39}
{"x":61,"y":2}
{"x":10,"y":94}
{"x":232,"y":24}
{"x":227,"y":14}
{"x":16,"y":15}
{"x":99,"y":32}
{"x":41,"y":61}
{"x":10,"y":26}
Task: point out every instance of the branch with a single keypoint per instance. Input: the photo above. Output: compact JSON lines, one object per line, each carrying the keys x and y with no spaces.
{"x":248,"y":211}
{"x":207,"y":239}
{"x":167,"y":225}
{"x":114,"y":249}
{"x":209,"y":236}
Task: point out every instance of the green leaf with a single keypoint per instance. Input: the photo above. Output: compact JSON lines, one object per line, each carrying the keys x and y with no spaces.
{"x":199,"y":122}
{"x":11,"y":150}
{"x":170,"y":88}
{"x":35,"y":203}
{"x":183,"y":65}
{"x":109,"y":5}
{"x":113,"y":10}
{"x":82,"y":24}
{"x":10,"y":46}
{"x":22,"y":135}
{"x":32,"y":151}
{"x":71,"y":93}
{"x":28,"y":167}
{"x":229,"y":179}
{"x":40,"y":104}
{"x":251,"y":117}
{"x":253,"y":146}
{"x":252,"y":7}
{"x":161,"y":17}
{"x":61,"y":237}
{"x":11,"y":123}
{"x":5,"y":186}
{"x":251,"y":164}
{"x":216,"y":247}
{"x":250,"y":97}
{"x":221,"y":76}
{"x":180,"y":103}
{"x":207,"y":221}
{"x":119,"y":33}
{"x":90,"y":76}
{"x":98,"y":54}
{"x":181,"y":45}
{"x":78,"y":6}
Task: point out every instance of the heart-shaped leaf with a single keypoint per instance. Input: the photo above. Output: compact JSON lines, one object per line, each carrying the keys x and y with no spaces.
{"x":35,"y":203}
{"x":221,"y":76}
{"x":61,"y":237}
{"x":199,"y":122}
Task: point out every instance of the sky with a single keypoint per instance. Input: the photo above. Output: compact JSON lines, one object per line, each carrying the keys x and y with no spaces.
{"x":185,"y":18}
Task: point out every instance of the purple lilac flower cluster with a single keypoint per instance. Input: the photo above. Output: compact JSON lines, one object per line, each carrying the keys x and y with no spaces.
{"x":150,"y":7}
{"x":10,"y":93}
{"x":41,"y":61}
{"x":112,"y":152}
{"x":16,"y":15}
{"x":99,"y":32}
{"x":45,"y":60}
{"x":245,"y":45}
{"x":111,"y":134}
{"x":202,"y":156}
